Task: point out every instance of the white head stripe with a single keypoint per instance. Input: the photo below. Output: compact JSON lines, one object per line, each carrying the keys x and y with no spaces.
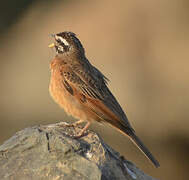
{"x":63,"y":40}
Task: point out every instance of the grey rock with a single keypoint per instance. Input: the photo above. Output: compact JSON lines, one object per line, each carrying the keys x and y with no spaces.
{"x":51,"y":153}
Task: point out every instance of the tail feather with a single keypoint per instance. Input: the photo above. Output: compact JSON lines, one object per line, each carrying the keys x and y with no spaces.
{"x":131,"y":133}
{"x":106,"y":115}
{"x":144,"y":149}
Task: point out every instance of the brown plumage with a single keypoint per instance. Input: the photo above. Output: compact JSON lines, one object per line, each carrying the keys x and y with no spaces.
{"x":81,"y":89}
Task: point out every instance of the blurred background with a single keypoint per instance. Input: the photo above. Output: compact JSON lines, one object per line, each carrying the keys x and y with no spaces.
{"x":141,"y":46}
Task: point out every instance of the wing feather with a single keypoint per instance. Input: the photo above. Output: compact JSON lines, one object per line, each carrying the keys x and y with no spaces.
{"x":93,"y":85}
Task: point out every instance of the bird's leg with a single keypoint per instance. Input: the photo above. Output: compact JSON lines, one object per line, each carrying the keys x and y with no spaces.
{"x":82,"y":132}
{"x":75,"y":124}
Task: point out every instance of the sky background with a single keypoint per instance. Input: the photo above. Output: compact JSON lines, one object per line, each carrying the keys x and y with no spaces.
{"x":141,"y":46}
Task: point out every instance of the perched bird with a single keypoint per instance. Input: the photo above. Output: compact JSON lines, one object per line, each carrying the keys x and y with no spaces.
{"x":81,"y":89}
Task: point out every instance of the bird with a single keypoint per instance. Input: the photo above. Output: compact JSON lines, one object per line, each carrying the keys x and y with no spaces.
{"x":82,"y":90}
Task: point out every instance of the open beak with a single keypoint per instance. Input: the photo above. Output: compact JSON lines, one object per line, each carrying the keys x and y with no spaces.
{"x":52,"y":45}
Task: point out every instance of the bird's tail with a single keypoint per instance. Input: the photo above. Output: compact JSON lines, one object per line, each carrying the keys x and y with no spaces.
{"x":106,"y":115}
{"x":127,"y":130}
{"x":144,"y":149}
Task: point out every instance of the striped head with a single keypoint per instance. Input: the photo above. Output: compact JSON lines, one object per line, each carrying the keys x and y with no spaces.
{"x":66,"y":42}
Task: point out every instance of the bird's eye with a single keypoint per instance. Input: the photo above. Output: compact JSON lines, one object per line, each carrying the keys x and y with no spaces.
{"x":58,"y":40}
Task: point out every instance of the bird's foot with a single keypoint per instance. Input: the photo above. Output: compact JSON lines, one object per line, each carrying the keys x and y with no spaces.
{"x":82,"y":132}
{"x":75,"y":124}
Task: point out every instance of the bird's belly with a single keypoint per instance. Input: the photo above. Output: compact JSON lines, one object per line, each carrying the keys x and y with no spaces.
{"x":67,"y":101}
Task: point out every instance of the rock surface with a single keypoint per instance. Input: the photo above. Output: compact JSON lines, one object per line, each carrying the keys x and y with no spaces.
{"x":49,"y":153}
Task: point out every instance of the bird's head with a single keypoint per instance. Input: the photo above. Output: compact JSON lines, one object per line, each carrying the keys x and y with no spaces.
{"x":67,"y":42}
